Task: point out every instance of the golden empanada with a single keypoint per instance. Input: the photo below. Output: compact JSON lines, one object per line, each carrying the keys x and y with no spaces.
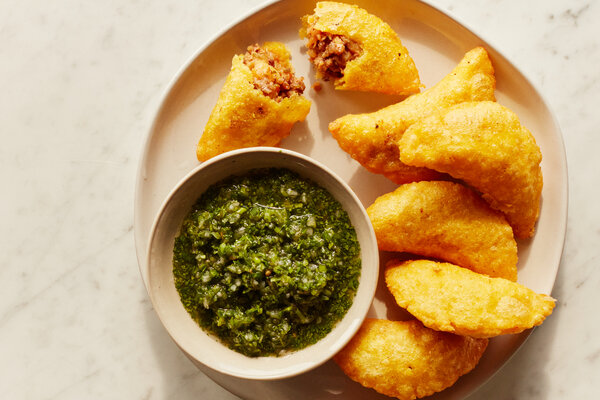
{"x":406,"y":360}
{"x":258,"y":104}
{"x":358,"y":51}
{"x":485,"y":145}
{"x":448,"y":221}
{"x":446,"y":297}
{"x":372,"y":138}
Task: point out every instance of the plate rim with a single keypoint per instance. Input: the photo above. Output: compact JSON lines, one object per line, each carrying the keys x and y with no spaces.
{"x":432,"y":4}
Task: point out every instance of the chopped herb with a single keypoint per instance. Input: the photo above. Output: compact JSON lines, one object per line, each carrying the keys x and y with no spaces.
{"x":268,"y":262}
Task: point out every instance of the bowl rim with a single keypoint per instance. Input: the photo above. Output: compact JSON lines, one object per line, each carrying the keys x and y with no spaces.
{"x":368,"y":280}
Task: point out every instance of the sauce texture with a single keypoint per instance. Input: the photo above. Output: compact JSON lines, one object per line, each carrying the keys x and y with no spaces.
{"x":268,"y":262}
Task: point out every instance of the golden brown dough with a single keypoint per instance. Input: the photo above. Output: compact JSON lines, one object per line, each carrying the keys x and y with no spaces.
{"x":445,"y":220}
{"x":484,"y":144}
{"x":358,"y":50}
{"x":406,"y":360}
{"x":372,"y":139}
{"x":258,"y":104}
{"x":446,"y":297}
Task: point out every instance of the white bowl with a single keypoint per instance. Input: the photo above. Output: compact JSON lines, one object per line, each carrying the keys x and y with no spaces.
{"x":203,"y":347}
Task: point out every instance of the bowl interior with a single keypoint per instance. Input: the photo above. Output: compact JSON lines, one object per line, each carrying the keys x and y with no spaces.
{"x":184,"y":330}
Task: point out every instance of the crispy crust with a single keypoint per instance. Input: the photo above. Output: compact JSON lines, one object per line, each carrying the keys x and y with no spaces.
{"x":449,"y":298}
{"x":384,"y":64}
{"x":406,"y":360}
{"x":484,"y":144}
{"x":448,"y":221}
{"x":372,"y":139}
{"x":244,"y":116}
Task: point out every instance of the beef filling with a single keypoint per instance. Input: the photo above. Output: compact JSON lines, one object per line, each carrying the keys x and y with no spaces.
{"x":271,"y":76}
{"x":329,"y":53}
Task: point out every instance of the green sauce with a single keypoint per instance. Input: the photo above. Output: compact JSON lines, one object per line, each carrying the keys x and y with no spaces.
{"x":268,"y":262}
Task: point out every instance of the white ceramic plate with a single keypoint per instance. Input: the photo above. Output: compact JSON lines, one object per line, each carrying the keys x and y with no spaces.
{"x":436,"y":42}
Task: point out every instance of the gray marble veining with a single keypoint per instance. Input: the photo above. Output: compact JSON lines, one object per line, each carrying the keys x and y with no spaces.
{"x":80,"y":82}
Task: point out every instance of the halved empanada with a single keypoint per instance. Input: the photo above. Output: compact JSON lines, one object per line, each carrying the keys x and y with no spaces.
{"x":257,"y":106}
{"x":358,"y":51}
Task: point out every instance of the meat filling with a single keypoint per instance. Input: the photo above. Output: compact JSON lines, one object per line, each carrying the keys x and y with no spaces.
{"x":329,"y":53}
{"x":271,"y":75}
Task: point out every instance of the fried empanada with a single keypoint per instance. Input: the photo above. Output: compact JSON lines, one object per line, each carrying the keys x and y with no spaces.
{"x":372,"y":139}
{"x":446,"y":297}
{"x":358,"y":51}
{"x":258,"y":104}
{"x":406,"y":360}
{"x":448,"y":221}
{"x":484,"y":144}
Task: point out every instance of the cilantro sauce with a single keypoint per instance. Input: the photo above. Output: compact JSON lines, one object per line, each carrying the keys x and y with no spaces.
{"x":268,"y":262}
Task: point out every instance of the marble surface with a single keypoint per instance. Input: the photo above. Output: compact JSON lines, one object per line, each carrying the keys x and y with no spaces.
{"x":80,"y":83}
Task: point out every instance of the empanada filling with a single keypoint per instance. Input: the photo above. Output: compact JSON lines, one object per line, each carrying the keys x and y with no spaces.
{"x":271,"y":75}
{"x":330,"y":53}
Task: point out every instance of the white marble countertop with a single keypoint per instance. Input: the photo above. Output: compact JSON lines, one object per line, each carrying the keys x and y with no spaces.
{"x":80,"y":83}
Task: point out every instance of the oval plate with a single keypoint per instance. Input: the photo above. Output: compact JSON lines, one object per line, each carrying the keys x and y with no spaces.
{"x":436,"y":42}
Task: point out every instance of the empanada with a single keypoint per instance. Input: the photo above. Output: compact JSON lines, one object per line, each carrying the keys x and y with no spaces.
{"x":485,"y":145}
{"x":446,"y":297}
{"x":358,"y":51}
{"x":448,"y":221}
{"x":372,"y":138}
{"x":257,"y":106}
{"x":406,"y":360}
